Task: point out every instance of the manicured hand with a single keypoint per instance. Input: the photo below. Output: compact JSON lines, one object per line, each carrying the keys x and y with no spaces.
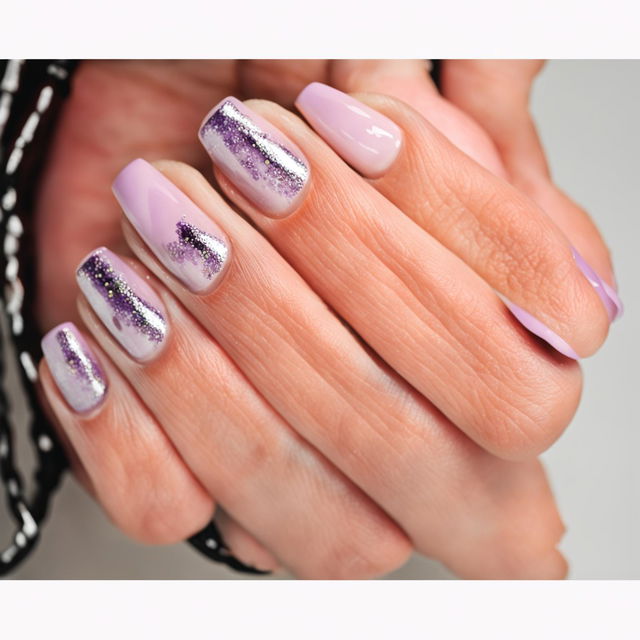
{"x":339,"y":374}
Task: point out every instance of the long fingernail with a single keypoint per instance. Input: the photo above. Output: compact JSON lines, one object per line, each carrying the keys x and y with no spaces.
{"x":364,"y":138}
{"x":74,"y":367}
{"x":126,"y":304}
{"x":180,"y":234}
{"x":607,"y":294}
{"x":541,"y":330}
{"x":257,"y":158}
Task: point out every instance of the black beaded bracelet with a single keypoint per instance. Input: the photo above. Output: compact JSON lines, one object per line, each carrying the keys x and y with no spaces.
{"x":31,"y":97}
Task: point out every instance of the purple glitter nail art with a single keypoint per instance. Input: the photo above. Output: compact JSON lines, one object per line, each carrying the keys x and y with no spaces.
{"x":128,"y":308}
{"x":198,"y":248}
{"x":82,"y":365}
{"x":255,"y":156}
{"x":74,"y":368}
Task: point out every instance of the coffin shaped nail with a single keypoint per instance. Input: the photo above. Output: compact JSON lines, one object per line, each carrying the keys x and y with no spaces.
{"x":267,"y":168}
{"x":125,"y":302}
{"x":74,"y":368}
{"x":538,"y":328}
{"x":179,"y":233}
{"x":364,"y":138}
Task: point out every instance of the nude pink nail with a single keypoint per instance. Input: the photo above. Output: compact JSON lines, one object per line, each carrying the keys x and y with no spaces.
{"x":364,"y":138}
{"x":180,"y":234}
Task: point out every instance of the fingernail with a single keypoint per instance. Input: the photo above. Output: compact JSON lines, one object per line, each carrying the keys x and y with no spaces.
{"x":74,"y":367}
{"x":257,"y":158}
{"x":126,"y":304}
{"x":607,"y":294}
{"x":364,"y":138}
{"x":181,"y":235}
{"x":615,"y":298}
{"x":541,"y":330}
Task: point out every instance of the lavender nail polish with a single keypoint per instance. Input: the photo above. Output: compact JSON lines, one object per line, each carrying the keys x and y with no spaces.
{"x":541,"y":330}
{"x":609,"y":297}
{"x":74,"y":368}
{"x":182,"y":236}
{"x":261,"y":162}
{"x":125,"y":303}
{"x":615,"y":298}
{"x":364,"y":138}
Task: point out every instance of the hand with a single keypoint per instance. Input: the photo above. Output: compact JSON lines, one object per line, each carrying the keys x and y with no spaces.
{"x":481,"y":515}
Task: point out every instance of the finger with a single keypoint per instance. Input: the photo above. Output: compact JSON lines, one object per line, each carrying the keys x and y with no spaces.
{"x":496,"y":94}
{"x":109,"y":116}
{"x":417,"y":305}
{"x":497,"y":231}
{"x":448,"y":494}
{"x":409,"y":81}
{"x":271,"y":482}
{"x":484,"y":112}
{"x":131,"y":466}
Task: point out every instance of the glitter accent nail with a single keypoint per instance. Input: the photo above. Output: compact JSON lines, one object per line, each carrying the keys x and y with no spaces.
{"x":74,"y":368}
{"x":199,"y":248}
{"x":265,"y":165}
{"x":125,"y":303}
{"x":184,"y":238}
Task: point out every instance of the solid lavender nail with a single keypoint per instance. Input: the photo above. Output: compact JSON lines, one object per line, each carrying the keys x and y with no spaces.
{"x":126,"y":304}
{"x":364,"y":138}
{"x":181,"y":235}
{"x":267,"y":168}
{"x":74,"y":368}
{"x":541,"y":330}
{"x":610,"y":299}
{"x":615,"y":298}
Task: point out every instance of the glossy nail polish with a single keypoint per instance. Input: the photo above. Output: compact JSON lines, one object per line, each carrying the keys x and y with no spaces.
{"x":126,"y":304}
{"x":607,"y":294}
{"x":541,"y":330}
{"x":181,"y":235}
{"x":364,"y":138}
{"x":265,"y":166}
{"x":74,"y":368}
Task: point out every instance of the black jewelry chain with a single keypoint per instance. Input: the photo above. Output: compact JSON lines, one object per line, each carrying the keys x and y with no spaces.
{"x":31,"y":97}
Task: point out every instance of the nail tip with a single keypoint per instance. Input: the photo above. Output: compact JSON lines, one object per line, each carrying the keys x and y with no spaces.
{"x":123,"y":175}
{"x":615,"y":299}
{"x":74,"y":368}
{"x":211,"y":113}
{"x":607,"y":295}
{"x":88,"y":256}
{"x":365,"y":138}
{"x":266,"y":167}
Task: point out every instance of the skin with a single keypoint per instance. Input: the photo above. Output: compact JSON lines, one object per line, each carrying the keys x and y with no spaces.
{"x":351,"y":466}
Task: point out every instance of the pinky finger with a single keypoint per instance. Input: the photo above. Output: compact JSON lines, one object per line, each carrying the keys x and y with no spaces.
{"x":125,"y":458}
